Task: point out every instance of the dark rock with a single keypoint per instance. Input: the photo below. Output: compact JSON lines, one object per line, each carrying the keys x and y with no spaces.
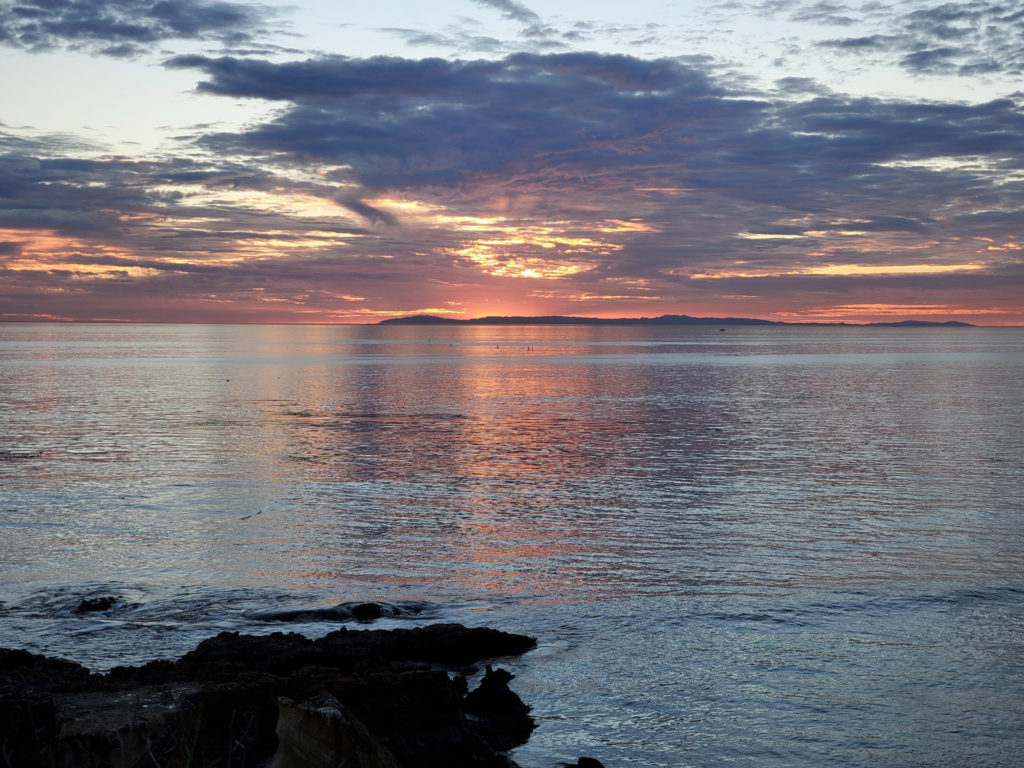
{"x":587,"y":762}
{"x":502,"y":717}
{"x":120,"y":727}
{"x":90,"y":604}
{"x":320,"y":733}
{"x":370,"y":699}
{"x":16,"y":664}
{"x":229,"y":654}
{"x":367,"y":611}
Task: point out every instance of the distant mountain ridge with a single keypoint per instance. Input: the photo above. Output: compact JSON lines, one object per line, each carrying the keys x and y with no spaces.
{"x":661,"y":320}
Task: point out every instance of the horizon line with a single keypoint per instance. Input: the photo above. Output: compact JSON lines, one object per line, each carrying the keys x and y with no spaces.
{"x":524,"y":320}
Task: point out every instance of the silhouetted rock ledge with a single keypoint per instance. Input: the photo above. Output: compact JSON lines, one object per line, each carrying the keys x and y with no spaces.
{"x":358,"y":698}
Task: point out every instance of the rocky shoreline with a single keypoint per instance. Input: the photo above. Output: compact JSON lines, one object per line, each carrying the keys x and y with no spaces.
{"x":359,"y":698}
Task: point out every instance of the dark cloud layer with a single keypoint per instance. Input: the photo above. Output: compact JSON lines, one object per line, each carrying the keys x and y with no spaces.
{"x":399,"y":122}
{"x":403,"y":123}
{"x":122,"y":28}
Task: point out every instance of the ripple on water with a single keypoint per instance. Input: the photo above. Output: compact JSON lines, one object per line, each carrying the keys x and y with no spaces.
{"x":789,"y":547}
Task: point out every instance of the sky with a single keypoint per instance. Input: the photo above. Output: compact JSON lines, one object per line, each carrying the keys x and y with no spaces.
{"x":322,"y":162}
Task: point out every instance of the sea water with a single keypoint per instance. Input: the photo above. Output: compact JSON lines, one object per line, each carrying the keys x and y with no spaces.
{"x":754,"y":546}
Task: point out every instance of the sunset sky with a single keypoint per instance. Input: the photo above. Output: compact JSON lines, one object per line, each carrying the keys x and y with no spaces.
{"x":182,"y":160}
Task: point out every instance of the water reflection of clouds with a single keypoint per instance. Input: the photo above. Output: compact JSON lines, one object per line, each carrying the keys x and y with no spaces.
{"x":525,"y":460}
{"x":542,"y":473}
{"x":472,"y":467}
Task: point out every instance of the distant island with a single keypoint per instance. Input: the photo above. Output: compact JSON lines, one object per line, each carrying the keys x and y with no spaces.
{"x":661,"y":320}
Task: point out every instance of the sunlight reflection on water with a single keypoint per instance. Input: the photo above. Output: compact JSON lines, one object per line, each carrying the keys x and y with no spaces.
{"x":757,"y":547}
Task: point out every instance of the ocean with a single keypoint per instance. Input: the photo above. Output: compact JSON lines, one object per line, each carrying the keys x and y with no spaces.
{"x":754,"y":546}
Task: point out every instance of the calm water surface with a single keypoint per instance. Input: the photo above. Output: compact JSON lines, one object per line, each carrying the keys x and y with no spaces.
{"x":752,"y":547}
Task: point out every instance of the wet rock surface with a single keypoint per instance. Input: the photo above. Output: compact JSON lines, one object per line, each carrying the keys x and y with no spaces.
{"x":365,"y":698}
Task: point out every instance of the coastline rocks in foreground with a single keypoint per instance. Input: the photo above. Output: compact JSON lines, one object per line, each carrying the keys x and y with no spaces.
{"x":363,"y":699}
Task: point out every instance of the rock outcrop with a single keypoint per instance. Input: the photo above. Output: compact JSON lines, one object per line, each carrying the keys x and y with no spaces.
{"x":90,"y":604}
{"x":363,"y":699}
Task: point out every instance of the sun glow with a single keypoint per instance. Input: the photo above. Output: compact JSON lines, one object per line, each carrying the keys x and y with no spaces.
{"x":278,"y":200}
{"x":492,"y":262}
{"x":49,"y":251}
{"x":517,"y":254}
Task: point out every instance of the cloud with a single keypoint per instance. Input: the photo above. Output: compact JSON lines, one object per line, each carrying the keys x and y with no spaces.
{"x":540,"y":35}
{"x":126,"y":28}
{"x":860,"y":44}
{"x":540,"y":178}
{"x":512,"y":10}
{"x":368,"y":212}
{"x":831,"y":14}
{"x":798,"y":85}
{"x":404,"y":122}
{"x":456,"y":38}
{"x":330,"y":77}
{"x":113,"y":237}
{"x":966,"y":39}
{"x":558,"y":120}
{"x":934,"y":60}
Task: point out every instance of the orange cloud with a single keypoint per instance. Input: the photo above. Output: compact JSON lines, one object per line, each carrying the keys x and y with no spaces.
{"x":846,"y":270}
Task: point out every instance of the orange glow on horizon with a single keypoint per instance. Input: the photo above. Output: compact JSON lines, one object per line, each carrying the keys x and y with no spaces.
{"x":869,"y":313}
{"x":485,"y":267}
